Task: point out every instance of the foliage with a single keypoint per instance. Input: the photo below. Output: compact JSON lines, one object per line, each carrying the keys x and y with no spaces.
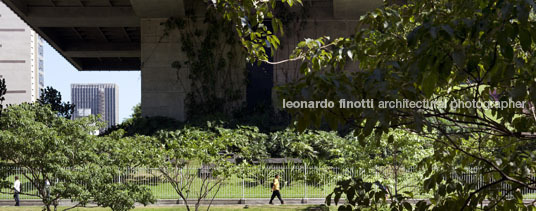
{"x":401,"y":148}
{"x":248,"y":18}
{"x":215,"y":70}
{"x":190,"y":148}
{"x":136,"y":112}
{"x":263,"y":120}
{"x":362,"y":195}
{"x":393,"y":158}
{"x":52,"y":97}
{"x":215,"y":63}
{"x":425,"y":50}
{"x":247,"y":143}
{"x":310,"y":145}
{"x":474,"y":51}
{"x":265,"y":117}
{"x":148,"y":126}
{"x":41,"y":143}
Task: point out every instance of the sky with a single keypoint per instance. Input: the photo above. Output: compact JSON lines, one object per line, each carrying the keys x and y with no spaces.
{"x":60,"y":74}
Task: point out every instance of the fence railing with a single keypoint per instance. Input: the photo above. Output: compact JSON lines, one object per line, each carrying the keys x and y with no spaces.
{"x":296,"y":181}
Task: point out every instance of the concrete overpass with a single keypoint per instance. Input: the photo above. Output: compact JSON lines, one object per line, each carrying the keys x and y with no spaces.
{"x":125,"y":35}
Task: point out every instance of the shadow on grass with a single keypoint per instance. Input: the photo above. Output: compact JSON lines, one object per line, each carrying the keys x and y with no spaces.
{"x":316,"y":208}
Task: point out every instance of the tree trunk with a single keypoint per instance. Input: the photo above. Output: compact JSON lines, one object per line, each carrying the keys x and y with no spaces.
{"x":186,"y":204}
{"x":56,"y":203}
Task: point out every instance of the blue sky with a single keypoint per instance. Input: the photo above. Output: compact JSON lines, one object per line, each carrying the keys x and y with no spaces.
{"x":60,"y":74}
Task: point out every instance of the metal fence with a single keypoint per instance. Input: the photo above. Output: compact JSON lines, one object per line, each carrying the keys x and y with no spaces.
{"x":297,"y":181}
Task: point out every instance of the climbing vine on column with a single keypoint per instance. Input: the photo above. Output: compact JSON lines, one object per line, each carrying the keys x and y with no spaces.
{"x":217,"y":46}
{"x":215,"y":63}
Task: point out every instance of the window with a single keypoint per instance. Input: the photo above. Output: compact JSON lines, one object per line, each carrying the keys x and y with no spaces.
{"x":41,"y":65}
{"x":40,"y":50}
{"x":41,"y":80}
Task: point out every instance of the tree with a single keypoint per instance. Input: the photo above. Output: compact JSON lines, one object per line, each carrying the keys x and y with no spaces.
{"x":52,"y":97}
{"x":474,"y":51}
{"x":393,"y":158}
{"x":193,"y":156}
{"x":45,"y":146}
{"x":136,"y":112}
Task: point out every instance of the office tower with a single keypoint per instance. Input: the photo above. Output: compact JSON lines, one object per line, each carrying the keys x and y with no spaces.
{"x":96,"y":99}
{"x":21,"y":58}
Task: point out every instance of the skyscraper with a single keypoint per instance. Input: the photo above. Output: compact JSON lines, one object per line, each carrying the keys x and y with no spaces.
{"x":96,"y":99}
{"x":21,"y":58}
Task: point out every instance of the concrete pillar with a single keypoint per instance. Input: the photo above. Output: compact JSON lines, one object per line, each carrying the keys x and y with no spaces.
{"x":333,"y":18}
{"x":163,"y":88}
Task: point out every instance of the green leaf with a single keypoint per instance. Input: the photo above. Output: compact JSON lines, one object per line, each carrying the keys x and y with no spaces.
{"x":407,"y":206}
{"x":508,"y":52}
{"x":525,"y":39}
{"x":429,"y":82}
{"x":350,"y":54}
{"x":391,"y":139}
{"x":337,"y":198}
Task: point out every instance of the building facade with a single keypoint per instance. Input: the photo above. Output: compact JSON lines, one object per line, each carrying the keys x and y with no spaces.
{"x":96,"y":99}
{"x":21,"y":58}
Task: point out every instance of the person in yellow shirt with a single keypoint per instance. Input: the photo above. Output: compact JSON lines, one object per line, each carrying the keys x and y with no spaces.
{"x":275,"y":190}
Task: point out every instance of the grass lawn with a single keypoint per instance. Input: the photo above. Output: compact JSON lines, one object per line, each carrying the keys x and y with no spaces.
{"x":214,"y":208}
{"x":234,"y":187}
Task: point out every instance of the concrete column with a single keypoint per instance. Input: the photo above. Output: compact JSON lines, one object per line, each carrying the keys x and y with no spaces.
{"x":163,"y":88}
{"x":333,"y":18}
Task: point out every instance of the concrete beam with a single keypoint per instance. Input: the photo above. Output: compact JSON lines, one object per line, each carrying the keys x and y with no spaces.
{"x":111,"y":67}
{"x":158,"y":8}
{"x":88,"y":46}
{"x":82,"y":17}
{"x":102,"y":54}
{"x":354,"y":9}
{"x":19,"y":6}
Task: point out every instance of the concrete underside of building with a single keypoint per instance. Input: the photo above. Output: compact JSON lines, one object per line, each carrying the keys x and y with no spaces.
{"x":127,"y":35}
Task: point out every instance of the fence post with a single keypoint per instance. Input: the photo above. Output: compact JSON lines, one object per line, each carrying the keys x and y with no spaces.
{"x":119,"y":176}
{"x":243,"y":200}
{"x":324,"y":185}
{"x":304,"y":200}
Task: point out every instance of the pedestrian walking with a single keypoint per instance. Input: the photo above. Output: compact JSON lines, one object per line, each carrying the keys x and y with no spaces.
{"x":16,"y":189}
{"x":47,"y":188}
{"x":275,"y":190}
